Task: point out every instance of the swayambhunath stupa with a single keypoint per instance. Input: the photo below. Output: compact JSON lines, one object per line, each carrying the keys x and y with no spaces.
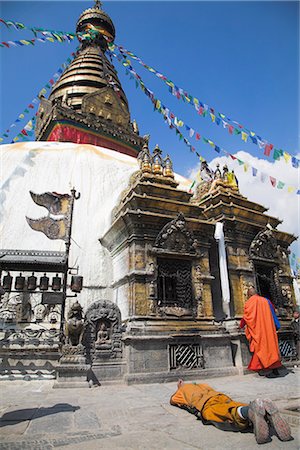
{"x":156,"y":288}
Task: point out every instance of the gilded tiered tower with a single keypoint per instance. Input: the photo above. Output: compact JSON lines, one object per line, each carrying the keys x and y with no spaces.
{"x":87,"y":104}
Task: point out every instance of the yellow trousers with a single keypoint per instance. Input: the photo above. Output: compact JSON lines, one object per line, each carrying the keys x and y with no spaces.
{"x":222,"y":409}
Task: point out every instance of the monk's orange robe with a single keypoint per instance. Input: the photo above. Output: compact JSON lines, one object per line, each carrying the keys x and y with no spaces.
{"x":261,"y":334}
{"x":209,"y":405}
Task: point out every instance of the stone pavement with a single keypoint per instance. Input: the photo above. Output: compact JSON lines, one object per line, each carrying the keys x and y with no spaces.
{"x":138,"y":417}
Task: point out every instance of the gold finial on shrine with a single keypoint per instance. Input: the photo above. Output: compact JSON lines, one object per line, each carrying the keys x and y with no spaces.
{"x":168,"y":167}
{"x":144,"y":158}
{"x":157,"y":165}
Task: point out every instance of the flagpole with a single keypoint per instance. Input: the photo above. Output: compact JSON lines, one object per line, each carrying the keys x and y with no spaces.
{"x":68,"y":245}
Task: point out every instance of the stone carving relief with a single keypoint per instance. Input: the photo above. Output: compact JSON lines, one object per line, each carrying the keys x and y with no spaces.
{"x":175,"y":237}
{"x":201,"y":190}
{"x":29,"y":337}
{"x":103,"y":330}
{"x":198,"y":286}
{"x":27,"y":307}
{"x":264,"y":245}
{"x":74,"y":325}
{"x":198,"y":283}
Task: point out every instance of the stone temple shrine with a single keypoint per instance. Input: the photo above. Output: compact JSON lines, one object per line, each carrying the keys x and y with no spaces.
{"x":130,"y":277}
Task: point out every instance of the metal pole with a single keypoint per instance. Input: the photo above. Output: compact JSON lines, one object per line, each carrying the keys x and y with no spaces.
{"x":68,"y":245}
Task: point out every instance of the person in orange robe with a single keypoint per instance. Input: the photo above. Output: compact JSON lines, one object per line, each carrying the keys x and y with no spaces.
{"x":261,"y":333}
{"x":218,"y":409}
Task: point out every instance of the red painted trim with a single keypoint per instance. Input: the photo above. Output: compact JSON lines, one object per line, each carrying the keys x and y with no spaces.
{"x":70,"y":133}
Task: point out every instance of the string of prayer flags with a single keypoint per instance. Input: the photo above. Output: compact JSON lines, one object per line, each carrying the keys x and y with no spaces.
{"x":26,"y":131}
{"x":35,"y":100}
{"x":22,"y":42}
{"x":51,"y":34}
{"x":204,"y":110}
{"x":20,"y":26}
{"x":174,"y":122}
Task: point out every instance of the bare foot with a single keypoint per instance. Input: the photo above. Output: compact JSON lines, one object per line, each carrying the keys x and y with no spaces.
{"x":180,"y":383}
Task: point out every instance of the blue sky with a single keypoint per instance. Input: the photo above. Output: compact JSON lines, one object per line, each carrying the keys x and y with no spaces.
{"x":241,"y":58}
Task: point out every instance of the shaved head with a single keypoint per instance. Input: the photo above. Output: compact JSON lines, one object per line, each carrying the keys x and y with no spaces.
{"x":251,"y":291}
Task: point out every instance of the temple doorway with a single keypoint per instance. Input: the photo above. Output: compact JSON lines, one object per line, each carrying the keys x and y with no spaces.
{"x":265,"y":281}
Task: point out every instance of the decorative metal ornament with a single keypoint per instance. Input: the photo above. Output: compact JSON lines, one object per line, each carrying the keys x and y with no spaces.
{"x":157,"y":165}
{"x":168,"y":167}
{"x":56,"y":204}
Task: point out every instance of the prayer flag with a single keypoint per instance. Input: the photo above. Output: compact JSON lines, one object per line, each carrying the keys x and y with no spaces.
{"x":261,"y":144}
{"x":244,"y":136}
{"x":254,"y":171}
{"x":295,"y":162}
{"x":277,"y":154}
{"x":273,"y":181}
{"x":280,"y":185}
{"x":286,"y":156}
{"x":198,"y":137}
{"x":268,"y":149}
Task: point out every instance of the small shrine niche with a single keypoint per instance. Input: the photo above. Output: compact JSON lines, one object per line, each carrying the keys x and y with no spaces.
{"x":103,"y":331}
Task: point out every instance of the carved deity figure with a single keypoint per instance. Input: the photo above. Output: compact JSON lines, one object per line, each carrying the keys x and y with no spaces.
{"x":103,"y":337}
{"x":74,"y":325}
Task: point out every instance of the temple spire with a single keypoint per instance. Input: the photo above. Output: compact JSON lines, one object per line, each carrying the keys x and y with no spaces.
{"x":98,"y":4}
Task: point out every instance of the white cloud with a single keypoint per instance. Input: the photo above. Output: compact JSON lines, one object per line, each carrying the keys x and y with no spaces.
{"x":281,"y":203}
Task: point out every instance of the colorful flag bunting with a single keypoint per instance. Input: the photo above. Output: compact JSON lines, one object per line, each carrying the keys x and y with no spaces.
{"x":179,"y":93}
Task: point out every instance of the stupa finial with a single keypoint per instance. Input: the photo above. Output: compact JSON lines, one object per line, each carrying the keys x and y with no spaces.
{"x":98,"y":4}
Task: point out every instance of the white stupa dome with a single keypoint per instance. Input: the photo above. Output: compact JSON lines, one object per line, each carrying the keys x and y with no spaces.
{"x":99,"y":174}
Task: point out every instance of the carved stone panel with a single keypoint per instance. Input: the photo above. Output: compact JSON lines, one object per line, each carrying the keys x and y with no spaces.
{"x":175,"y":237}
{"x":103,"y":331}
{"x":264,"y":246}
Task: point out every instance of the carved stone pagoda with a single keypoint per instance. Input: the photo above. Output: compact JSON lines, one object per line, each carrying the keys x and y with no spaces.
{"x":167,"y":280}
